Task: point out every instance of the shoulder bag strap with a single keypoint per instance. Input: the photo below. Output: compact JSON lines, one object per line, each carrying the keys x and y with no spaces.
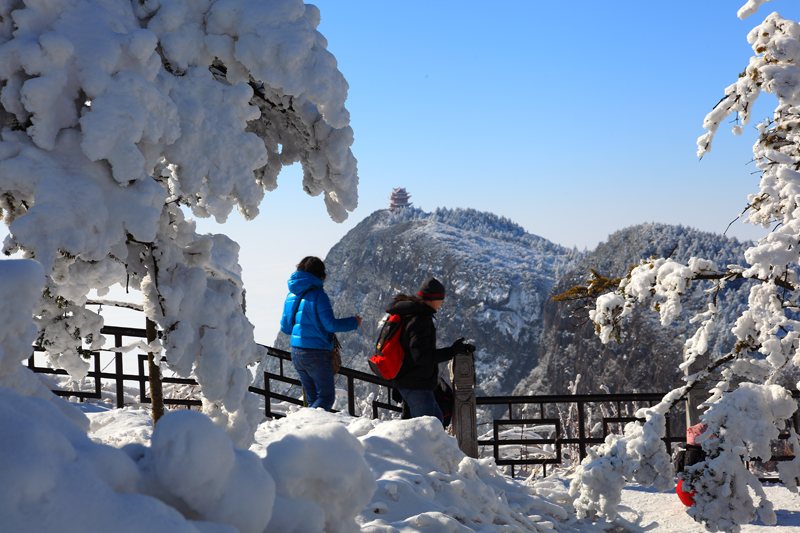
{"x":296,"y":306}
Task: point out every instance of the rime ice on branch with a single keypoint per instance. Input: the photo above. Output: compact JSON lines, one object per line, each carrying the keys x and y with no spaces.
{"x":748,"y":406}
{"x":110,"y":136}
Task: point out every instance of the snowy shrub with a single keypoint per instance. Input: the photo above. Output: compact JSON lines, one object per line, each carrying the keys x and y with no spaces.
{"x":741,"y":426}
{"x":637,"y":456}
{"x":21,"y":283}
{"x":20,"y":286}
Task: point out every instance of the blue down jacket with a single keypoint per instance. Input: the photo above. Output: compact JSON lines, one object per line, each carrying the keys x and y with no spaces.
{"x":314,"y":321}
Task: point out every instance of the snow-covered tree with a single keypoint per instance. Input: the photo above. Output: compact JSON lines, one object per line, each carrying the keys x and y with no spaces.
{"x":120,"y":119}
{"x":748,"y":406}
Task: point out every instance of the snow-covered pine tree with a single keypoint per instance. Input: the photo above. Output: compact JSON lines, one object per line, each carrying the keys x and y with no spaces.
{"x":119,"y":118}
{"x":747,"y":407}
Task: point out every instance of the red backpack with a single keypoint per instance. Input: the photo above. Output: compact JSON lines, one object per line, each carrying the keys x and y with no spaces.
{"x":389,"y":351}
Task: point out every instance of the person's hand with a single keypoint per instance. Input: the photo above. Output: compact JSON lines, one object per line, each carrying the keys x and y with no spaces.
{"x":462,"y":347}
{"x":358,"y":319}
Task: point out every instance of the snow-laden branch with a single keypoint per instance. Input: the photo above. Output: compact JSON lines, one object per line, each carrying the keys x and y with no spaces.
{"x":747,"y":408}
{"x":750,"y":8}
{"x":109,"y":134}
{"x":116,"y":303}
{"x":637,"y":456}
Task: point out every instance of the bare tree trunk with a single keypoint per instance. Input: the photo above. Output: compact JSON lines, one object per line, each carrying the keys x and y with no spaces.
{"x":154,"y":372}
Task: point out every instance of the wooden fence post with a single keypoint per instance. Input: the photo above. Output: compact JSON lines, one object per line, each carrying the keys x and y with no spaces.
{"x":465,"y":425}
{"x":699,"y":393}
{"x":154,"y":373}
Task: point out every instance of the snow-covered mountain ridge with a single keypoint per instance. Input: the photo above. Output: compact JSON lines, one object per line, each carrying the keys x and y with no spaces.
{"x":497,"y":277}
{"x":500,"y":282}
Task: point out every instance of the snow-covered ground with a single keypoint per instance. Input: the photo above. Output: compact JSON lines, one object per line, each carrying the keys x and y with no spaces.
{"x":647,"y":510}
{"x":417,"y":479}
{"x":424,"y":484}
{"x":87,"y":467}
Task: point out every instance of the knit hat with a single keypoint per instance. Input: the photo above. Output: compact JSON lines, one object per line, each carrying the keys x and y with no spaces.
{"x":432,"y":289}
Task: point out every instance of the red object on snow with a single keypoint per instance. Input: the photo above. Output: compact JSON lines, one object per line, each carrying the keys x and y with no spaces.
{"x":687,"y":498}
{"x":692,"y":433}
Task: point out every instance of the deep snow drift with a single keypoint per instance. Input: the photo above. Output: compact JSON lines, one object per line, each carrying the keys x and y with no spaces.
{"x":311,"y":471}
{"x":351,"y":473}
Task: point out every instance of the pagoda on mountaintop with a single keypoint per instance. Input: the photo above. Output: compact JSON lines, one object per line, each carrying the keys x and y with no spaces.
{"x":399,"y":199}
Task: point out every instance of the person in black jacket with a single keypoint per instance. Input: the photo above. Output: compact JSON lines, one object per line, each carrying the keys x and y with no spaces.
{"x":419,"y":375}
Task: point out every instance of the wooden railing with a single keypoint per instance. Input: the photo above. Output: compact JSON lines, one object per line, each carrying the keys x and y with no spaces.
{"x":351,"y":376}
{"x":118,"y":376}
{"x":555,"y":426}
{"x":520,"y":432}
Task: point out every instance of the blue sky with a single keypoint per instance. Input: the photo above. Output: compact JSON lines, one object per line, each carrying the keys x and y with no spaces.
{"x":573,"y":119}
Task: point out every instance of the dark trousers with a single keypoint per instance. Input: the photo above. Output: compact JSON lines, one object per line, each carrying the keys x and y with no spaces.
{"x":315,"y":369}
{"x":421,"y":403}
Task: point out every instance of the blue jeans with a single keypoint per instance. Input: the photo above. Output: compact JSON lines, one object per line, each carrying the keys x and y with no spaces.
{"x":315,"y":369}
{"x":421,"y":403}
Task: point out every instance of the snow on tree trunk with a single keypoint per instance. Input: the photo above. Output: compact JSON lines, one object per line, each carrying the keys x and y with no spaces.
{"x":112,"y":136}
{"x":20,"y":287}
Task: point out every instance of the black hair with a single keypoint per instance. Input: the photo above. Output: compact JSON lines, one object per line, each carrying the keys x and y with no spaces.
{"x":312,"y":265}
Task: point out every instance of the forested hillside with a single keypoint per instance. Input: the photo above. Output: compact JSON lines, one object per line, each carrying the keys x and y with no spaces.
{"x":647,"y":356}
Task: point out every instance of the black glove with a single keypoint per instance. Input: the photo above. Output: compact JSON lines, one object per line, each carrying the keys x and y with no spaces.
{"x":396,"y":396}
{"x":462,"y":347}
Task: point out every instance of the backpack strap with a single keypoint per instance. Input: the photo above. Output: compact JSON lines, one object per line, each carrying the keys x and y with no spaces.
{"x":296,"y":306}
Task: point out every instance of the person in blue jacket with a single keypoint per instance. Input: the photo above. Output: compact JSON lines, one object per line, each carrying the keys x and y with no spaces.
{"x":308,"y":318}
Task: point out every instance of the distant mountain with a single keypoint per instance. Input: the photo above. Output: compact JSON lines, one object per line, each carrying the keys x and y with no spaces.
{"x":497,"y":276}
{"x":647,"y":358}
{"x":500,"y":280}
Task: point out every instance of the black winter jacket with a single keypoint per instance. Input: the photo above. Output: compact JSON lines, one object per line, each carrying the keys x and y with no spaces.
{"x":420,"y":368}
